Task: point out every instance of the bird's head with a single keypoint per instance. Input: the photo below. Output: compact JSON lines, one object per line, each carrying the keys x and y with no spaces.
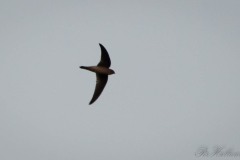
{"x":111,"y":72}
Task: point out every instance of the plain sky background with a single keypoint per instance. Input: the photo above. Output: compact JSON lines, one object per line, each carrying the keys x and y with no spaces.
{"x":176,"y":87}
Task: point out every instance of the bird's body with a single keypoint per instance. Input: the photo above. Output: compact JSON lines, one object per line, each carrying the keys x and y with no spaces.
{"x":98,"y":69}
{"x":102,"y":71}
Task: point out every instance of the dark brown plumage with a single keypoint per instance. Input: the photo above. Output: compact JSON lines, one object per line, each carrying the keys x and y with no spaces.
{"x":102,"y":71}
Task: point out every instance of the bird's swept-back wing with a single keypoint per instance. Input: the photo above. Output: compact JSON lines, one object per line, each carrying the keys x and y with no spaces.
{"x":100,"y":84}
{"x":105,"y":59}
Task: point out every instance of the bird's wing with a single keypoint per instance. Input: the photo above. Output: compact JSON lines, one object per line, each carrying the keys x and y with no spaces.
{"x":100,"y":84}
{"x":105,"y":59}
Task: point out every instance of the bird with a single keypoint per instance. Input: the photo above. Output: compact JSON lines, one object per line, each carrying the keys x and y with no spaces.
{"x":102,"y":71}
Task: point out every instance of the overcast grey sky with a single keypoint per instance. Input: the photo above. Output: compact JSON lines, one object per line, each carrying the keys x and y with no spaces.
{"x":176,"y":86}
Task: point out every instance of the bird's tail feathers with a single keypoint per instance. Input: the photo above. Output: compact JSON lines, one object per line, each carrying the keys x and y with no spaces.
{"x":83,"y":67}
